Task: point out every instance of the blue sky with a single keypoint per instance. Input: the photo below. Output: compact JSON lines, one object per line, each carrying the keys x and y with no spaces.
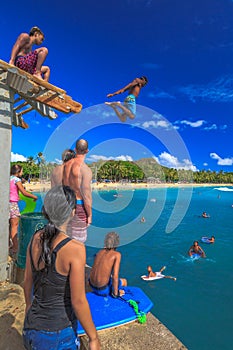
{"x":185,"y":48}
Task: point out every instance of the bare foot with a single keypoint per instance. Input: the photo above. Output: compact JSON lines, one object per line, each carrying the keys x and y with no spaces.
{"x":112,"y":103}
{"x":121,"y":292}
{"x":175,"y":278}
{"x":38,"y":75}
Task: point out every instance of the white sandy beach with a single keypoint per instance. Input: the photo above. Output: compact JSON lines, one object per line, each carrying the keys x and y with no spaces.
{"x":45,"y":186}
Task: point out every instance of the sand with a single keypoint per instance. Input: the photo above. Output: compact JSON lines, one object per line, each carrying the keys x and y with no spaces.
{"x":12,"y":308}
{"x":45,"y":186}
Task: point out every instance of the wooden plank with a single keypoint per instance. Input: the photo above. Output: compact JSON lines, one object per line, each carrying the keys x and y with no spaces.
{"x":31,"y":77}
{"x":63,"y":103}
{"x":54,"y":97}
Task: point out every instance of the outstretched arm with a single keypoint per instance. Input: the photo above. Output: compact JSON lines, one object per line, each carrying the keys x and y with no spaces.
{"x":20,"y":42}
{"x":202,"y":252}
{"x":127,"y":87}
{"x":24,"y":192}
{"x":115,"y":276}
{"x":190,"y":251}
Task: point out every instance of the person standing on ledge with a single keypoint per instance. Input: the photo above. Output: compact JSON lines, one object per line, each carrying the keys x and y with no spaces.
{"x":55,"y":276}
{"x":129,"y":107}
{"x":16,"y":186}
{"x":78,"y":176}
{"x":30,"y":61}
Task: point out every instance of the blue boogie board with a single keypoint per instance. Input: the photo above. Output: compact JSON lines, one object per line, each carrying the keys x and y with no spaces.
{"x":206,"y":240}
{"x":109,"y":312}
{"x":195,"y":256}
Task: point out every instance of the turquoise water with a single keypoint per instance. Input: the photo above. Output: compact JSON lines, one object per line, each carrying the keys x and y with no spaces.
{"x":197,"y":308}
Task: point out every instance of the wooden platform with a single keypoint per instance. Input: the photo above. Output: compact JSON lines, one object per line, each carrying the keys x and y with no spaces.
{"x":33,"y":89}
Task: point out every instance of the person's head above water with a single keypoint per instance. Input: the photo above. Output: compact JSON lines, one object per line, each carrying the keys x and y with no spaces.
{"x":111,"y":240}
{"x":149,"y":268}
{"x":81,"y":146}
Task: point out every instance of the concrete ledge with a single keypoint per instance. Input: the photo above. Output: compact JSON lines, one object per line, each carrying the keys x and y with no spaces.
{"x":134,"y":336}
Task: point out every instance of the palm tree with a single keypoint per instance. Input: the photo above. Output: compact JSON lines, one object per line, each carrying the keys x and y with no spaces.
{"x":40,"y":158}
{"x":30,"y":161}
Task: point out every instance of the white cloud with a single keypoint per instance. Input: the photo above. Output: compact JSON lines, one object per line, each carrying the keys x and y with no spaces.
{"x":95,"y":158}
{"x":15,"y":157}
{"x":58,"y":161}
{"x":196,"y":124}
{"x":157,"y":124}
{"x":170,"y":161}
{"x":205,"y":164}
{"x":219,"y":90}
{"x":221,"y":161}
{"x":211,"y":127}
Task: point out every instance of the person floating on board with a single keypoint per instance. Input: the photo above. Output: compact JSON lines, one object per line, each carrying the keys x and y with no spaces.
{"x":158,"y":274}
{"x":196,"y":249}
{"x":104,"y":275}
{"x":212,"y":239}
{"x":30,"y":61}
{"x":205,"y":215}
{"x":57,"y":173}
{"x":129,"y":107}
{"x":208,"y":239}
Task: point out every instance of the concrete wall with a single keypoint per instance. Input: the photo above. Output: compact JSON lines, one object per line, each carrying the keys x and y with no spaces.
{"x":6,"y":112}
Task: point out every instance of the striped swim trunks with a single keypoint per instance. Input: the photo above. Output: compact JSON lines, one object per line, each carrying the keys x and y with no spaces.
{"x":77,"y":226}
{"x":27,"y":62}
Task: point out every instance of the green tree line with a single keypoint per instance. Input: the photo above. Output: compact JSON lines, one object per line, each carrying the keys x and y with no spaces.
{"x":145,"y":169}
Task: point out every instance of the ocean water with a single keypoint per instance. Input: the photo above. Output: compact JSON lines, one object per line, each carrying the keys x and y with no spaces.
{"x":198,"y":307}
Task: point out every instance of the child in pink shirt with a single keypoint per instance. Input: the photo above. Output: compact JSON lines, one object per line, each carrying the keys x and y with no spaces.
{"x":16,"y":187}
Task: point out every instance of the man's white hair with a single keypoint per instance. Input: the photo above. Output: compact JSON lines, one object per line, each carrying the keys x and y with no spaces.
{"x":111,"y":240}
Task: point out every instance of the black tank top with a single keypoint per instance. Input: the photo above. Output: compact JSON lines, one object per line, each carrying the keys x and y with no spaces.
{"x":51,"y":308}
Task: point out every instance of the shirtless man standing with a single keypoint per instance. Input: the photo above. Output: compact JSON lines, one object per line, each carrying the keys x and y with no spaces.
{"x":78,"y":176}
{"x":104,"y":276}
{"x":30,"y":61}
{"x":129,"y":107}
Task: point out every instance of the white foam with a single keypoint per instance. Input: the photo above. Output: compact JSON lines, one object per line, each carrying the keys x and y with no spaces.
{"x":224,"y":189}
